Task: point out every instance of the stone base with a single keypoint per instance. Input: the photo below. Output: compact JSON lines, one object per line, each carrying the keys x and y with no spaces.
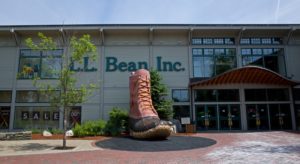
{"x":26,"y":135}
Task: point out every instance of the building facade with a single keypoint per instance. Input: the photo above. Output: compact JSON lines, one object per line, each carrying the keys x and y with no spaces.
{"x":223,"y":77}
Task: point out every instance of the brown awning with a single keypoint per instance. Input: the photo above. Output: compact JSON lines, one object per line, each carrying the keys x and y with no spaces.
{"x":247,"y":75}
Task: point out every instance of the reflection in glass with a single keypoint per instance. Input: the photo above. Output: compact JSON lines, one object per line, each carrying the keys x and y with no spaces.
{"x":226,"y":95}
{"x":257,"y":117}
{"x":5,"y":96}
{"x":180,"y":95}
{"x":205,"y":95}
{"x":280,"y":116}
{"x":208,"y":66}
{"x":255,"y":95}
{"x":181,"y":111}
{"x":27,"y":96}
{"x":51,"y":67}
{"x":206,"y":117}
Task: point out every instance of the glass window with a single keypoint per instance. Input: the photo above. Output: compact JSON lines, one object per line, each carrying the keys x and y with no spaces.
{"x":29,"y":67}
{"x":245,"y":41}
{"x":208,"y":51}
{"x":208,"y":67}
{"x":228,"y":95}
{"x":51,"y":68}
{"x":181,"y":111}
{"x":218,"y":41}
{"x":229,"y":41}
{"x":266,"y":41}
{"x":180,"y":95}
{"x":255,"y":95}
{"x":47,"y":97}
{"x":246,"y":51}
{"x":205,"y":95}
{"x":271,"y":62}
{"x":230,"y":51}
{"x":27,"y":96}
{"x":270,"y":58}
{"x":246,"y":60}
{"x":220,"y":51}
{"x":278,"y":94}
{"x":276,"y":40}
{"x":224,"y":63}
{"x":43,"y":64}
{"x":278,"y":51}
{"x":267,"y":51}
{"x":207,"y":41}
{"x":256,"y":51}
{"x":196,"y":41}
{"x":197,"y":51}
{"x":255,"y":41}
{"x":297,"y":95}
{"x":257,"y":60}
{"x":197,"y":67}
{"x":36,"y":118}
{"x":4,"y":117}
{"x":214,"y":61}
{"x":5,"y":96}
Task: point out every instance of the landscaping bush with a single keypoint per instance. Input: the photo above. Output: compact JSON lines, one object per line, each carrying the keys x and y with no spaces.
{"x":117,"y":123}
{"x":56,"y":131}
{"x":36,"y":131}
{"x":89,"y":128}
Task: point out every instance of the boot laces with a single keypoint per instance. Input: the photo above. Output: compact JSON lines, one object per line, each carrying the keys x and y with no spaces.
{"x":144,"y":92}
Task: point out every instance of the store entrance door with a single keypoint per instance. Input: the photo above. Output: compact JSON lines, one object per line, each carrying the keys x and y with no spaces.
{"x":230,"y":117}
{"x":257,"y":117}
{"x":280,"y":116}
{"x":4,"y":117}
{"x":206,"y":116}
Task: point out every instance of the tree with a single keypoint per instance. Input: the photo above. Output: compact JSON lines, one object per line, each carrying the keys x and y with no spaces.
{"x":70,"y":93}
{"x":158,"y":92}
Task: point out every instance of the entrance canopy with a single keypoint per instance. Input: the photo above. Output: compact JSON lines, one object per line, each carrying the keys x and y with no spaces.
{"x":247,"y":75}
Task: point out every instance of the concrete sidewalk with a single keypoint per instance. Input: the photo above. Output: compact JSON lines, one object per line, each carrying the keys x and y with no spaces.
{"x":26,"y":147}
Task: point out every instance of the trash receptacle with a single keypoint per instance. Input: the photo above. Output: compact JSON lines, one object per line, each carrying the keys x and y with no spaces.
{"x":190,"y":128}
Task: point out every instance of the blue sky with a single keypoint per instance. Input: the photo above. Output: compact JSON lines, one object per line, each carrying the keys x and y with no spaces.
{"x":33,"y":12}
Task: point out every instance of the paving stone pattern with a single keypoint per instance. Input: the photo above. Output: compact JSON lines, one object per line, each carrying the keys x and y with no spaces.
{"x":251,"y":147}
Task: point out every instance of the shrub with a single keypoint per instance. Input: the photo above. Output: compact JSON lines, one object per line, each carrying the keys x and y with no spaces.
{"x":164,"y":111}
{"x":117,"y":123}
{"x":56,"y":131}
{"x":89,"y":128}
{"x":36,"y":131}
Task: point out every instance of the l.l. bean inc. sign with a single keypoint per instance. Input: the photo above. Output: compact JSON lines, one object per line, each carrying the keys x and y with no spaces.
{"x":112,"y":64}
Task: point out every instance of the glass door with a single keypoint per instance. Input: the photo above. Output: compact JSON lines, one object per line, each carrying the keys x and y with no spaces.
{"x":206,"y":117}
{"x":257,"y":117}
{"x":4,"y":117}
{"x":229,"y":116}
{"x":280,"y":115}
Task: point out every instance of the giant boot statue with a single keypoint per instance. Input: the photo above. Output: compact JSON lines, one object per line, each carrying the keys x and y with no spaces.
{"x":144,"y":122}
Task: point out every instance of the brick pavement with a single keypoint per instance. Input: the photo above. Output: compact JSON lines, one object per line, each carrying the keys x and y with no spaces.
{"x":250,"y":147}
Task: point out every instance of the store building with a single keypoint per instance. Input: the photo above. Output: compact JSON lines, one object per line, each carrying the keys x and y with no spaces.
{"x":223,"y":77}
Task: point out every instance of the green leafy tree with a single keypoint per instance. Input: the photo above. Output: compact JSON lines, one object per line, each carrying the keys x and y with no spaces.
{"x":158,"y":92}
{"x":65,"y":93}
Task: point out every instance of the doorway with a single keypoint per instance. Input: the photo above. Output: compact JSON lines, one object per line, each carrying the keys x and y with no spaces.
{"x":4,"y":117}
{"x":280,"y":116}
{"x":218,"y":117}
{"x":257,"y":116}
{"x":206,"y":116}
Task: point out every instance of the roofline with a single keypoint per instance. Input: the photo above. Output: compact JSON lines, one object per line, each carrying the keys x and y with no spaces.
{"x":294,"y":82}
{"x":147,"y":26}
